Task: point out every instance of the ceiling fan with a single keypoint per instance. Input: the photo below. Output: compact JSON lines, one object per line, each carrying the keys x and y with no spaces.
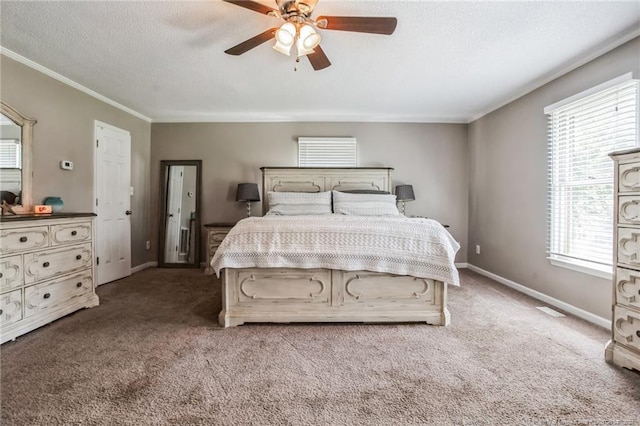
{"x":299,"y":30}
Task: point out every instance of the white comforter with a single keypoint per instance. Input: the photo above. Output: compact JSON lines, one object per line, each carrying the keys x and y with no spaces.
{"x":397,"y":245}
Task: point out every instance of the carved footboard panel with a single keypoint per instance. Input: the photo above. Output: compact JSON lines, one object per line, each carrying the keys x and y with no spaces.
{"x":325,"y":295}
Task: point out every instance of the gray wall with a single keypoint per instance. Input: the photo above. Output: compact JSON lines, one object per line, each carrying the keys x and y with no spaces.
{"x":65,"y":131}
{"x":431,"y":157}
{"x":508,"y":187}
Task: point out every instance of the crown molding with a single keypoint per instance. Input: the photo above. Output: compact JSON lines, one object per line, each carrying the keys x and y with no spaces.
{"x":536,"y":84}
{"x":297,"y":117}
{"x":44,"y":70}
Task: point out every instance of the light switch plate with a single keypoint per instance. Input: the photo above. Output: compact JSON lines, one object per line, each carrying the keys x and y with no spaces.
{"x":66,"y":165}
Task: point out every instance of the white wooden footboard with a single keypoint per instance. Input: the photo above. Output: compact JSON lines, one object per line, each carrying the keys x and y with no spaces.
{"x":324,"y":295}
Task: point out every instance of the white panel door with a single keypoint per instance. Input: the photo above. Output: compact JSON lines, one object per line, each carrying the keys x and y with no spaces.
{"x":113,"y":203}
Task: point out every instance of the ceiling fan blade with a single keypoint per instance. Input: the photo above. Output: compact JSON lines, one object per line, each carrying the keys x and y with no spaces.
{"x":252,"y":5}
{"x":252,"y":42}
{"x":318,"y":59}
{"x":360,"y":24}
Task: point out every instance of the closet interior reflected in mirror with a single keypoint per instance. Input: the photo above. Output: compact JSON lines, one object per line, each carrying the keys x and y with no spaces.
{"x":179,"y":242}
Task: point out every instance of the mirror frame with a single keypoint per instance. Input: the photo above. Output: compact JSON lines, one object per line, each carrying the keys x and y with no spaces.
{"x":26,"y":198}
{"x":164,"y":169}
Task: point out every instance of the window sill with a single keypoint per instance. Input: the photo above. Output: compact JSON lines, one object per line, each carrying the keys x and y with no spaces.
{"x":588,"y":268}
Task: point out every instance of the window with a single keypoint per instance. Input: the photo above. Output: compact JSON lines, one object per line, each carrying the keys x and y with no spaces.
{"x":583,"y":130}
{"x":327,"y":152}
{"x":10,"y":154}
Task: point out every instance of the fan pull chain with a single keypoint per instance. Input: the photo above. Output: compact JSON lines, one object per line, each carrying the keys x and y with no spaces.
{"x":295,"y":67}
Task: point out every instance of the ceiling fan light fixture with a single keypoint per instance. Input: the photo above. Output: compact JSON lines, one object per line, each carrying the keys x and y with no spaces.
{"x":300,"y":29}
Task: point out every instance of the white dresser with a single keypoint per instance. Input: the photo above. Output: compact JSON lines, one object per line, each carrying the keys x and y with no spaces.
{"x":624,"y":348}
{"x":46,"y":270}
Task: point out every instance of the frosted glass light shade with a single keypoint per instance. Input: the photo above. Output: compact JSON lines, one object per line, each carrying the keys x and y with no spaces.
{"x":307,"y":40}
{"x":285,"y":37}
{"x":279,"y":47}
{"x":286,"y":34}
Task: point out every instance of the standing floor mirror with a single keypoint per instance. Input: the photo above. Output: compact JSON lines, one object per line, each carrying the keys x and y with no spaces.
{"x":179,"y":241}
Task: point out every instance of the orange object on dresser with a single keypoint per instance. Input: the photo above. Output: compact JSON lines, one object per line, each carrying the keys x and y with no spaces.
{"x":42,"y":209}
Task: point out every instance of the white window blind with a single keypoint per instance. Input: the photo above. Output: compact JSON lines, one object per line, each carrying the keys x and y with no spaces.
{"x":10,"y":154}
{"x":581,"y":135}
{"x":327,"y":152}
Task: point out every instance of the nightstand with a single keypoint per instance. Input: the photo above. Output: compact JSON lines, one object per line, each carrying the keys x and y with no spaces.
{"x":215,"y":234}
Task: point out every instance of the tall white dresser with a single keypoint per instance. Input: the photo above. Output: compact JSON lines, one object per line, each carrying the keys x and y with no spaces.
{"x":46,"y":270}
{"x":624,"y":348}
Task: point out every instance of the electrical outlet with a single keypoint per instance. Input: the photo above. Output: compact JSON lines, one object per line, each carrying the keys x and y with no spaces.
{"x":148,"y":245}
{"x":478,"y":249}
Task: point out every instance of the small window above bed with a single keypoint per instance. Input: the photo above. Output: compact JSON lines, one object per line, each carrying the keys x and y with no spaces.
{"x":327,"y":152}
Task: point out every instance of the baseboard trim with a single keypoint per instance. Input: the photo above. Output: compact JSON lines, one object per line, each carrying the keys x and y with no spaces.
{"x":573,"y":310}
{"x":144,"y":266}
{"x":462,"y":265}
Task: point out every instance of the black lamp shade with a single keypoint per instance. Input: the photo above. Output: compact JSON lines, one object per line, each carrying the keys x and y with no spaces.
{"x":405,"y":193}
{"x":248,"y":192}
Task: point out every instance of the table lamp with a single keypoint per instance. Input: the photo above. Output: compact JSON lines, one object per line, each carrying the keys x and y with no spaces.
{"x":404,"y":193}
{"x":248,"y":193}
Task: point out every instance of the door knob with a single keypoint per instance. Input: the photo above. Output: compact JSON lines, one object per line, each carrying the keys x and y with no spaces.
{"x":128,"y":212}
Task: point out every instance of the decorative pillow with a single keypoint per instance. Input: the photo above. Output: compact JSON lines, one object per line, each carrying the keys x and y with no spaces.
{"x":365,"y":204}
{"x":364,"y":191}
{"x":299,"y":203}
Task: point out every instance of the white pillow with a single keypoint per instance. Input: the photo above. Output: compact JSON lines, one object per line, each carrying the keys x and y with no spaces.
{"x":299,"y":203}
{"x":365,"y":204}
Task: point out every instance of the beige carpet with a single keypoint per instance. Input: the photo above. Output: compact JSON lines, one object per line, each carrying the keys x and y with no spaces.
{"x":152,"y":353}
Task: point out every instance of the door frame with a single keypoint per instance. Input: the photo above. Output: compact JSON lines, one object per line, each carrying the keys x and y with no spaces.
{"x":164,"y":167}
{"x":97,"y":123}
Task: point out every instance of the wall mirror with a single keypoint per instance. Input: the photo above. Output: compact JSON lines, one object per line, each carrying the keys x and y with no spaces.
{"x":16,"y":174}
{"x":179,"y":242}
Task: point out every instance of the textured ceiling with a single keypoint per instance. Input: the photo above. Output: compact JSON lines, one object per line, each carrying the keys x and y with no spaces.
{"x":447,"y":61}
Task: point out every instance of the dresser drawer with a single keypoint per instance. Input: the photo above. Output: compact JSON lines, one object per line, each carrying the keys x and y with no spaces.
{"x":55,"y":293}
{"x":43,"y":265}
{"x":70,"y":233}
{"x":629,"y":209}
{"x":22,"y":239}
{"x":628,"y":288}
{"x":626,"y":327}
{"x":11,"y":307}
{"x":10,"y":272}
{"x":216,"y":237}
{"x":629,"y":177}
{"x":629,"y":247}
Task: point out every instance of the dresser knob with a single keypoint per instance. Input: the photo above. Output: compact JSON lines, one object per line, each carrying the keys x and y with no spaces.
{"x":74,"y":233}
{"x":79,"y":285}
{"x":1,"y":311}
{"x":23,"y":239}
{"x":638,"y":333}
{"x":47,"y":295}
{"x":0,"y":274}
{"x":45,"y":265}
{"x":78,"y":257}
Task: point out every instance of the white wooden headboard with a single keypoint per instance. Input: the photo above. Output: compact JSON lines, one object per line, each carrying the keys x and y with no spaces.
{"x":313,"y":179}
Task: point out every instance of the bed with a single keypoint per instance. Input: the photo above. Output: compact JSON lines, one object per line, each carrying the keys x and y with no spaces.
{"x":364,"y":289}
